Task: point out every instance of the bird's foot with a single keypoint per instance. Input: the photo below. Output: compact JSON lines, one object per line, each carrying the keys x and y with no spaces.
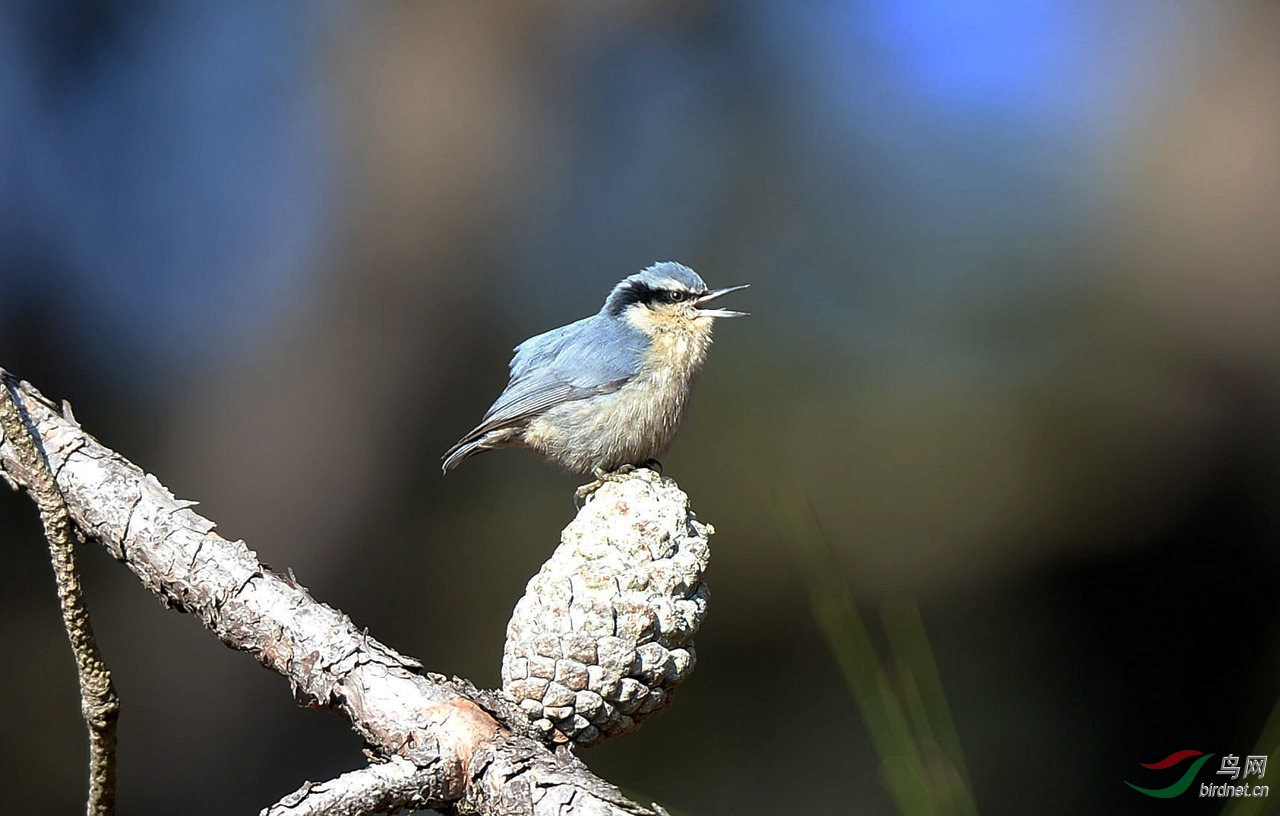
{"x":580,"y":495}
{"x":654,"y":465}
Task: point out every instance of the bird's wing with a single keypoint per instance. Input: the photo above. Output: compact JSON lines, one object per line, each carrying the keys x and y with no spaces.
{"x":584,"y":359}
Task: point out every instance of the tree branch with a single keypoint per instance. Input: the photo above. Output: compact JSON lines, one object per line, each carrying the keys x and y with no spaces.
{"x":468,"y":749}
{"x":380,"y":788}
{"x":99,"y":704}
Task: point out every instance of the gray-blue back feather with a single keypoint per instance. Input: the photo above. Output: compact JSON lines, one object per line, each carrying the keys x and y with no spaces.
{"x":595,"y":355}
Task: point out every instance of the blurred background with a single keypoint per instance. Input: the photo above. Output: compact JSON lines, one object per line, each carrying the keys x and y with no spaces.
{"x":1015,"y":278}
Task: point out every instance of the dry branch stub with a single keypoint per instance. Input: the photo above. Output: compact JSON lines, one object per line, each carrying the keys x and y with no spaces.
{"x":604,"y":632}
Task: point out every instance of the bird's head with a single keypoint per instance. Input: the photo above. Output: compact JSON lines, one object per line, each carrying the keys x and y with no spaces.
{"x":665,"y":297}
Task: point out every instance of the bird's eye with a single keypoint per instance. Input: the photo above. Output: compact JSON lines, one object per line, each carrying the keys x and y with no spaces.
{"x":676,"y":296}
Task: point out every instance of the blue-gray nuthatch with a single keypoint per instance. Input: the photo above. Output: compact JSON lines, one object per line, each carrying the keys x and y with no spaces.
{"x":611,"y":389}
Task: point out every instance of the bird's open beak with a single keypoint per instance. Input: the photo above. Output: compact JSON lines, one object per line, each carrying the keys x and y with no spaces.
{"x":712,"y":295}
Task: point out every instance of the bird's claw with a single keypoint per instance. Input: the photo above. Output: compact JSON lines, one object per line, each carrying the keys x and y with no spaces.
{"x":580,"y":495}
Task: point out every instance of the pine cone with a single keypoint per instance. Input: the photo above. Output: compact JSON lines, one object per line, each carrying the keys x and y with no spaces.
{"x":604,"y":632}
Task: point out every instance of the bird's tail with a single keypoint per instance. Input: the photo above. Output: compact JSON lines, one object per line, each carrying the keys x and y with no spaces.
{"x":460,"y":451}
{"x":481,"y":439}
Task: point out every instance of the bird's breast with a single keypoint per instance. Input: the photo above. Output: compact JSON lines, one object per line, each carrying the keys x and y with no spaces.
{"x":628,"y":426}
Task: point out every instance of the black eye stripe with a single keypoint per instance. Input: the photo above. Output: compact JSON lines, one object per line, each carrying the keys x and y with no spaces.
{"x":669,"y":296}
{"x":639,"y":292}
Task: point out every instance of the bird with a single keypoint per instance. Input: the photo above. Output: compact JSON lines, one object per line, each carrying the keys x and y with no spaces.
{"x":607,"y":393}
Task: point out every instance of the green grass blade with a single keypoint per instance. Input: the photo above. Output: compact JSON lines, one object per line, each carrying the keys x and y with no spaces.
{"x":919,"y":774}
{"x":927,"y":701}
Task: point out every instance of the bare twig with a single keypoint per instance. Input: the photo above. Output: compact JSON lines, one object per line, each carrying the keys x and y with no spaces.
{"x":98,"y":701}
{"x":469,"y":754}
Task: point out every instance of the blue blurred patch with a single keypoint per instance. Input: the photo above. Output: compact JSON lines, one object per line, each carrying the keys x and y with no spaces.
{"x":166,"y":163}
